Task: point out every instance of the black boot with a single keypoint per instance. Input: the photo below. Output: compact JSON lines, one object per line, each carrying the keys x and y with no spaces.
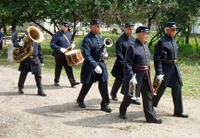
{"x":41,"y":93}
{"x":21,"y":91}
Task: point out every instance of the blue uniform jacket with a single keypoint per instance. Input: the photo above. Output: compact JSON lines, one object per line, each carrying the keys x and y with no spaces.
{"x":58,"y":41}
{"x":92,"y":51}
{"x":169,"y":45}
{"x":121,"y":45}
{"x":32,"y":64}
{"x":135,"y":54}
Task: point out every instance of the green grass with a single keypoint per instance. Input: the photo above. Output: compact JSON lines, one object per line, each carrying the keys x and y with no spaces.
{"x":189,"y":62}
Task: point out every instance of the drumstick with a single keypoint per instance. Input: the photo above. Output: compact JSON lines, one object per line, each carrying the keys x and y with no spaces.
{"x":68,"y":48}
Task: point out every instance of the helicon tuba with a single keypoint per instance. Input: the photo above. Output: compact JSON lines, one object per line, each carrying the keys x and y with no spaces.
{"x":21,"y":53}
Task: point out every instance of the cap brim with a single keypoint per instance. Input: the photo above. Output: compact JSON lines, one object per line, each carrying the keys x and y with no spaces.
{"x":173,"y":27}
{"x":129,"y":25}
{"x":145,"y":30}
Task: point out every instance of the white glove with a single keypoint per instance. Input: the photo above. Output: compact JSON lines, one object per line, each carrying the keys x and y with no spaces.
{"x":98,"y":70}
{"x":21,"y":43}
{"x":63,"y":50}
{"x":159,"y":77}
{"x":133,"y":80}
{"x":105,"y":53}
{"x":72,"y":45}
{"x":42,"y":64}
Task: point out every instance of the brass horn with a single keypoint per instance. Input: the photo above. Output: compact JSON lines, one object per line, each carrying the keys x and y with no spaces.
{"x":108,"y":42}
{"x":21,"y":53}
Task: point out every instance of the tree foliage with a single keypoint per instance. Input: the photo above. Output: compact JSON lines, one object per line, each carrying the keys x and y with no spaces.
{"x":158,"y":12}
{"x":57,"y":10}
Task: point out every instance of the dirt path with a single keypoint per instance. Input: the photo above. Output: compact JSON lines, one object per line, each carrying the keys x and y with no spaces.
{"x":58,"y":115}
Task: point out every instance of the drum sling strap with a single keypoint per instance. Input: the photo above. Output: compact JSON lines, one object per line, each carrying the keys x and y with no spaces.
{"x":65,"y":37}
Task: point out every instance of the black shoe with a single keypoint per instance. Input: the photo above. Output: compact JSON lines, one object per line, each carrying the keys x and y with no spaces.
{"x":106,"y":109}
{"x":21,"y":91}
{"x":182,"y":115}
{"x":81,"y":104}
{"x":42,"y":93}
{"x":75,"y":83}
{"x":56,"y":84}
{"x":122,"y":116}
{"x":155,"y":120}
{"x":114,"y":97}
{"x":136,"y":102}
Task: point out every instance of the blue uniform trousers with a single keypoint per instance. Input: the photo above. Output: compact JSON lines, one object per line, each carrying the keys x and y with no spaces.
{"x":60,"y":62}
{"x":117,"y":84}
{"x":103,"y":88}
{"x":176,"y":95}
{"x":22,"y":78}
{"x":147,"y":102}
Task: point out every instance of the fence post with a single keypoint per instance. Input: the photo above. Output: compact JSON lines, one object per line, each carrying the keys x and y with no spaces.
{"x":46,"y":36}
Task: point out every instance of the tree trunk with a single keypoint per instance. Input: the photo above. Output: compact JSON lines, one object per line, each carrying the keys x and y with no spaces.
{"x":188,"y":34}
{"x":74,"y":31}
{"x":4,"y":26}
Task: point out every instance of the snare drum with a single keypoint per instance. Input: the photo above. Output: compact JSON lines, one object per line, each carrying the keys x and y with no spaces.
{"x":74,"y":57}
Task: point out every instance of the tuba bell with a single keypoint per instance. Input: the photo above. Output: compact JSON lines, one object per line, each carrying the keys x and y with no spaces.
{"x":21,"y":53}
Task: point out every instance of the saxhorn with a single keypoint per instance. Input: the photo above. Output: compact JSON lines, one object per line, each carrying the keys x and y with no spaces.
{"x":108,"y":42}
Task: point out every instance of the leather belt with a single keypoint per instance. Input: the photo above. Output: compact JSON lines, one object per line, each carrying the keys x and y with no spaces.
{"x":141,"y":67}
{"x":32,"y":56}
{"x":98,"y":60}
{"x":170,"y":61}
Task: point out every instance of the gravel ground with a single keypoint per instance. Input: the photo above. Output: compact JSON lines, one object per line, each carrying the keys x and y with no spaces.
{"x":58,"y":115}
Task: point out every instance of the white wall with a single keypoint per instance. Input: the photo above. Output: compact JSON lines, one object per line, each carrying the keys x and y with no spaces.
{"x":196,"y":27}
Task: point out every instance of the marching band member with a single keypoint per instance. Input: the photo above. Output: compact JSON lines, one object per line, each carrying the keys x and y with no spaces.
{"x":165,"y":62}
{"x":137,"y":71}
{"x":118,"y":69}
{"x":60,"y":41}
{"x":31,"y":64}
{"x":94,"y":68}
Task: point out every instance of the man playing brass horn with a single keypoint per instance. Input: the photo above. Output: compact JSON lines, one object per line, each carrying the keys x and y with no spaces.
{"x":118,"y":69}
{"x":137,"y":71}
{"x":93,"y":68}
{"x":60,"y":41}
{"x":165,"y":62}
{"x":31,"y":64}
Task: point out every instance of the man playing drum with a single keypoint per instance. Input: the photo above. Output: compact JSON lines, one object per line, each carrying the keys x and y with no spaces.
{"x":94,"y":68}
{"x":60,"y":41}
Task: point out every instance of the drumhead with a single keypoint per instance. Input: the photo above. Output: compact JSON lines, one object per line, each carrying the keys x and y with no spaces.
{"x":71,"y":51}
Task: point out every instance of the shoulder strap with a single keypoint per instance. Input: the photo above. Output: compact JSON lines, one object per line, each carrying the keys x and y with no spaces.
{"x":65,"y":37}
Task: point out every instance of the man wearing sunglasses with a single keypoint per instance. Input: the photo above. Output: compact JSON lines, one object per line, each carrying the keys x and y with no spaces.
{"x":60,"y":41}
{"x":165,"y":62}
{"x":93,"y":68}
{"x":118,"y":69}
{"x":137,"y":72}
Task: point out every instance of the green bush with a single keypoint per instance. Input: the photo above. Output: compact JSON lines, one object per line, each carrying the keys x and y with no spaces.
{"x":114,"y":31}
